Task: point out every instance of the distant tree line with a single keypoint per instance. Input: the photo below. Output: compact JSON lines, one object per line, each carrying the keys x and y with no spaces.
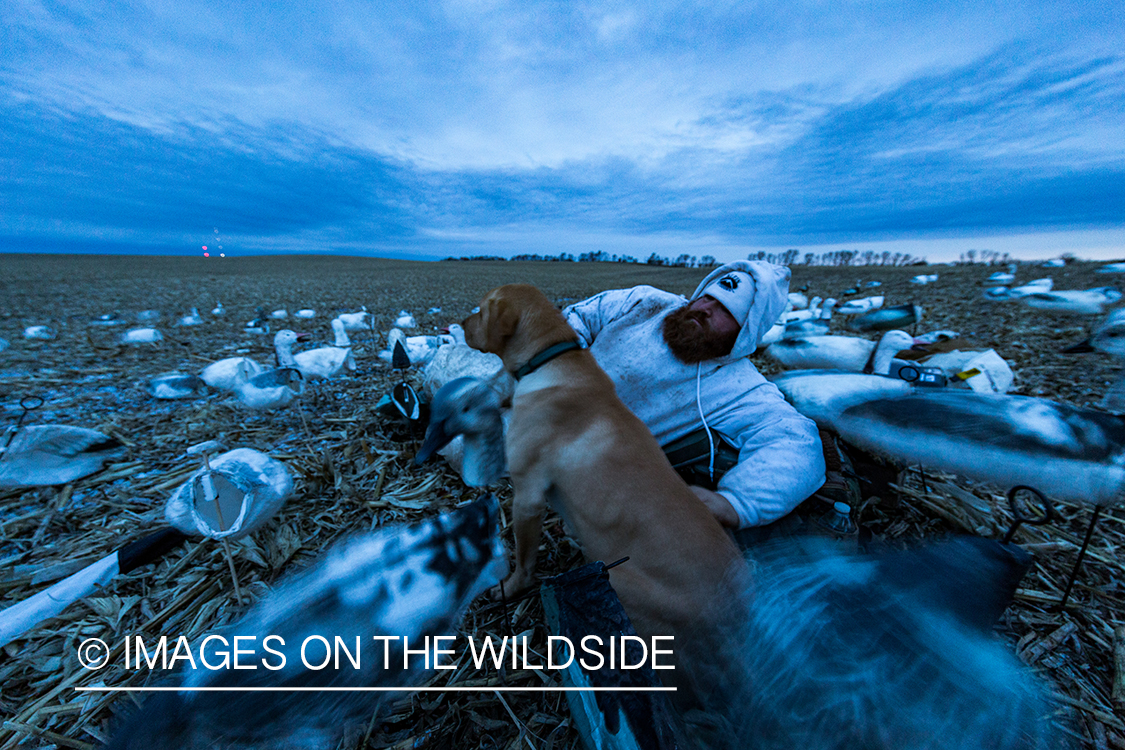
{"x":790,"y":257}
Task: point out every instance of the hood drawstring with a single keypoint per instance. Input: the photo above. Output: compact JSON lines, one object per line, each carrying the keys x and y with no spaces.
{"x":702,"y":416}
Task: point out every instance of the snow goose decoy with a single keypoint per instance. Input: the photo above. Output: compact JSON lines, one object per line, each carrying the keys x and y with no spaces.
{"x":899,"y":316}
{"x":340,"y":333}
{"x":108,"y":319}
{"x":405,"y":320}
{"x":839,"y":352}
{"x":458,"y":359}
{"x":176,"y":385}
{"x":469,"y":407}
{"x":305,"y":314}
{"x":810,"y":312}
{"x":821,"y":395}
{"x":324,"y":362}
{"x":857,"y":306}
{"x":413,"y":581}
{"x":52,"y":454}
{"x":218,"y":309}
{"x":798,"y":301}
{"x":358,"y":321}
{"x":1085,"y":302}
{"x":923,"y":279}
{"x":191,"y":319}
{"x":1118,"y":267}
{"x":271,"y":389}
{"x":279,"y":315}
{"x":39,"y":333}
{"x":419,"y":350}
{"x":230,"y":373}
{"x":148,"y":316}
{"x":433,"y":311}
{"x":142,"y":336}
{"x":1037,"y":286}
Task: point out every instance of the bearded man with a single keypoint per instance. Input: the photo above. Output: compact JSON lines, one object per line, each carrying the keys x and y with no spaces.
{"x":682,"y":367}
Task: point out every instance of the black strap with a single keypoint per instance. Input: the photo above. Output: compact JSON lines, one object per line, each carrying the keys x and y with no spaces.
{"x":546,"y":356}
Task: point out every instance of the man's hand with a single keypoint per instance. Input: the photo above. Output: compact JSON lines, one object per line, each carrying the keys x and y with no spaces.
{"x":719,"y":506}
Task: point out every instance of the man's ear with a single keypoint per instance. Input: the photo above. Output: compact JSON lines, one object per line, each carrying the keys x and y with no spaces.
{"x":500,"y":319}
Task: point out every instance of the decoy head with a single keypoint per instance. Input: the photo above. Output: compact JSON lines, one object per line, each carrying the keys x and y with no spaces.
{"x":463,"y":406}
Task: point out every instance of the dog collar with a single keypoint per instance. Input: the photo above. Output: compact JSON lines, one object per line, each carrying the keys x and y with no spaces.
{"x":546,"y":356}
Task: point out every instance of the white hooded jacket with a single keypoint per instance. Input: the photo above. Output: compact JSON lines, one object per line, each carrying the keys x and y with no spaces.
{"x":780,"y":457}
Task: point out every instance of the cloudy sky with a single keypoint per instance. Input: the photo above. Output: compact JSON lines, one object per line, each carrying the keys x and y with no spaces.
{"x":427,"y":129}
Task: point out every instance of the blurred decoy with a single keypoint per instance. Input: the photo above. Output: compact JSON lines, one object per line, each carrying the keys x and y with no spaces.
{"x":19,"y":618}
{"x":469,"y":407}
{"x":305,"y":314}
{"x":839,"y":352}
{"x":418,"y":350}
{"x":230,"y":373}
{"x":1086,"y":302}
{"x":271,"y":389}
{"x":1060,"y":451}
{"x":148,"y":316}
{"x":257,"y":326}
{"x":52,"y":454}
{"x":39,"y":333}
{"x":218,"y":309}
{"x":1118,"y":267}
{"x":433,"y":311}
{"x":279,"y":315}
{"x":411,"y":581}
{"x":1001,"y":278}
{"x":1054,"y":263}
{"x":191,"y":319}
{"x":857,"y":306}
{"x":1037,"y":286}
{"x":142,"y":336}
{"x":798,"y":301}
{"x":899,"y":316}
{"x":872,"y":284}
{"x":923,"y":279}
{"x":176,"y":385}
{"x":405,"y":320}
{"x":810,"y":312}
{"x":893,"y":649}
{"x":108,"y":319}
{"x":822,"y":395}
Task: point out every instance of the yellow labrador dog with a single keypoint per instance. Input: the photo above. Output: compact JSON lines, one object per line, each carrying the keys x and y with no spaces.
{"x":574,"y":444}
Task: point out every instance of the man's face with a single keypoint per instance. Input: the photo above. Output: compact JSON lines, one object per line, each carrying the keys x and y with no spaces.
{"x":700,"y":330}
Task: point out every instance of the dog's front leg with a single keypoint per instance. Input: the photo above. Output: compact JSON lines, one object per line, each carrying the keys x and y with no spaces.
{"x":529,"y":504}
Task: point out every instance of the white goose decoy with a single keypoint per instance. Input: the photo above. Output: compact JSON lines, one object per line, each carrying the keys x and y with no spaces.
{"x":857,"y":306}
{"x":230,"y":373}
{"x":405,"y":320}
{"x":340,"y":332}
{"x":414,"y":581}
{"x":1086,"y":302}
{"x":1001,"y":278}
{"x":271,"y":389}
{"x":798,"y":300}
{"x":142,"y":336}
{"x":257,"y":326}
{"x":811,"y":312}
{"x":39,"y":333}
{"x":458,"y":359}
{"x":358,"y":321}
{"x":821,"y":395}
{"x":419,"y":349}
{"x":305,"y":314}
{"x":191,"y":319}
{"x":1054,"y":263}
{"x":108,"y":319}
{"x":279,"y":315}
{"x":247,"y":488}
{"x":1118,"y":267}
{"x":148,"y":316}
{"x":176,"y":385}
{"x":324,"y":362}
{"x":55,"y":454}
{"x":1037,"y":286}
{"x":839,"y":352}
{"x":923,"y":279}
{"x":433,"y":311}
{"x":218,"y":309}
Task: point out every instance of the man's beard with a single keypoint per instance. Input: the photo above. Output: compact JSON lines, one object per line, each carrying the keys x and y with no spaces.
{"x":691,"y":343}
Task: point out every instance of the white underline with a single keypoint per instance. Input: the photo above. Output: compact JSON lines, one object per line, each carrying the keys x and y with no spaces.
{"x":543,"y":689}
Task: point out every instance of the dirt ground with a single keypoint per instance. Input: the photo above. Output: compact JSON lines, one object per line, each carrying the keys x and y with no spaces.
{"x":354,"y":469}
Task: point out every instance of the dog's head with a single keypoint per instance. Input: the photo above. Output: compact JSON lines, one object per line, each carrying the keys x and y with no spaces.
{"x":516,"y":321}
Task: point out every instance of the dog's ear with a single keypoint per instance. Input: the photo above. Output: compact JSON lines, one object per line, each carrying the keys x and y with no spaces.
{"x":500,"y":319}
